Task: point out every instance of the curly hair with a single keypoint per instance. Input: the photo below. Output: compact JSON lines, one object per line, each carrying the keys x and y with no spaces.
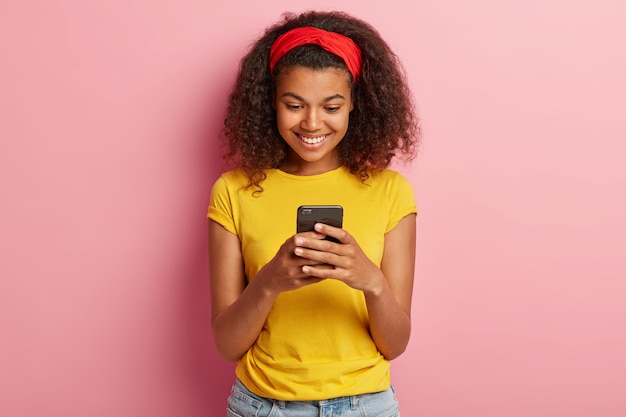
{"x":382,"y":125}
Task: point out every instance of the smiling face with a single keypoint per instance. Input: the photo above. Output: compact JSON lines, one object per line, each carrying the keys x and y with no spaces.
{"x":312,"y":112}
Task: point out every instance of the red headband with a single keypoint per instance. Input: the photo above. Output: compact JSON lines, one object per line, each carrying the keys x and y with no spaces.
{"x":334,"y":43}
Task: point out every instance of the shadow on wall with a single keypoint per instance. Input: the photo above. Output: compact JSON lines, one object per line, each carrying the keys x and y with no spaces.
{"x":210,"y":375}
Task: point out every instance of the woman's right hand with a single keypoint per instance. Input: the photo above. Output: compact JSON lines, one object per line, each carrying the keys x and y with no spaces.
{"x":284,"y":271}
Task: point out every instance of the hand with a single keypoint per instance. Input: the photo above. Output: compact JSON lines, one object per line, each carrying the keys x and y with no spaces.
{"x":284,"y":271}
{"x":343,"y":261}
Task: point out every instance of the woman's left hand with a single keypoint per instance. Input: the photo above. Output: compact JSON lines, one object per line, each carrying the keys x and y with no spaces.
{"x":388,"y":289}
{"x":344,"y":261}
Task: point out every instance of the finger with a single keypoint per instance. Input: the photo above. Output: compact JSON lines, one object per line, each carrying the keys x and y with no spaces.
{"x":319,"y":271}
{"x":318,"y":244}
{"x":318,"y":256}
{"x":310,"y":235}
{"x":340,"y":234}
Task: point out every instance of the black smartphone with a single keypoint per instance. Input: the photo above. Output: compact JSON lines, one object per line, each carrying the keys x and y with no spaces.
{"x":309,"y":215}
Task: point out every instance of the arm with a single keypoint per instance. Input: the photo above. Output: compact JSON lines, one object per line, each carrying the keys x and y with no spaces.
{"x":388,"y":289}
{"x":390,"y":307}
{"x":239,"y":309}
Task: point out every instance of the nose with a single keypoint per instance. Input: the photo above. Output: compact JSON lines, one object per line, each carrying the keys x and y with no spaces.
{"x":312,"y":120}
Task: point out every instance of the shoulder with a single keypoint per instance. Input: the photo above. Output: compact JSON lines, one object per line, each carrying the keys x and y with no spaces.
{"x":230,"y":180}
{"x":396,"y":189}
{"x":227,"y":185}
{"x":389,"y":178}
{"x":235,"y":176}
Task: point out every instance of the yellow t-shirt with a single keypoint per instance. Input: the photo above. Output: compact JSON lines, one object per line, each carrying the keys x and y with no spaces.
{"x":315,"y":343}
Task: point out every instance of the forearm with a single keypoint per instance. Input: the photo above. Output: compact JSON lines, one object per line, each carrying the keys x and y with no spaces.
{"x":390,"y":324}
{"x":236,"y":328}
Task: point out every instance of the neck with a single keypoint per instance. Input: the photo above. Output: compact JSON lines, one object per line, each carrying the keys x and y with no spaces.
{"x":307,"y":169}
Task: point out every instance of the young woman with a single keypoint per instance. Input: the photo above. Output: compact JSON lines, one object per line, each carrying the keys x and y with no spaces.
{"x":319,"y":109}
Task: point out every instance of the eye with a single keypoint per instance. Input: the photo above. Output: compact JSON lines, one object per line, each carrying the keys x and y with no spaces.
{"x":293,"y":107}
{"x":332,"y":109}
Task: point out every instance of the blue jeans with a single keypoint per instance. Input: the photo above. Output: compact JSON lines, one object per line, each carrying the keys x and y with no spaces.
{"x":243,"y":403}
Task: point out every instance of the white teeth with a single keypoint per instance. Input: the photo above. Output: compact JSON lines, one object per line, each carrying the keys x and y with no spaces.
{"x":312,"y":141}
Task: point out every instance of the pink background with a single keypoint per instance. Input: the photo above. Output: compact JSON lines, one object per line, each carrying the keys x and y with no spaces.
{"x":109,"y":120}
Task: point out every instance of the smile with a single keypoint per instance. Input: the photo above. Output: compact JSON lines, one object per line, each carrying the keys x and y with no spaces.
{"x":312,"y":140}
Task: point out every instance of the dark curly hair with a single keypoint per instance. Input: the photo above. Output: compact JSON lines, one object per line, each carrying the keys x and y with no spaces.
{"x":383,"y":123}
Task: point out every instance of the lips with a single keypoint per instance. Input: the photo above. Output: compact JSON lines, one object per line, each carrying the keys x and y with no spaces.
{"x":312,"y":140}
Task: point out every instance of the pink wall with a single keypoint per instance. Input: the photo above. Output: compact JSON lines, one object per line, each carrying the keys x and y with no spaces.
{"x":109,"y":119}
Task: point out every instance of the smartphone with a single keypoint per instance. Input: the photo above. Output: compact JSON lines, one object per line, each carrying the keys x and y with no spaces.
{"x":309,"y":215}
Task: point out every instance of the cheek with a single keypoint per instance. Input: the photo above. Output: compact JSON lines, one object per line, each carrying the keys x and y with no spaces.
{"x":283,"y":119}
{"x":284,"y":123}
{"x":342,"y":122}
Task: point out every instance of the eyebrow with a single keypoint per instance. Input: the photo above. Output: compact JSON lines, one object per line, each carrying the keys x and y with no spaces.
{"x":327,"y":99}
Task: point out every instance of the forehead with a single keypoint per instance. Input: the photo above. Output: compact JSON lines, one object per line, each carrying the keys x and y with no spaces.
{"x":311,"y":83}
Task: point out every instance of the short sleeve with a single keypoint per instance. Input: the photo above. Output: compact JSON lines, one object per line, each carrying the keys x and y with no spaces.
{"x":220,"y":205}
{"x":401,"y":198}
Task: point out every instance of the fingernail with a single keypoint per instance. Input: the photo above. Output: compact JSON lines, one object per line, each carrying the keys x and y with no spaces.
{"x":299,"y":241}
{"x":298,"y":251}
